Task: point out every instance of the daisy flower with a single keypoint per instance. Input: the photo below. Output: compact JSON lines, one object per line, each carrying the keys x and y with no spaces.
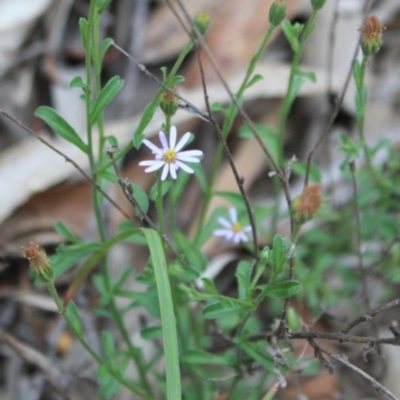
{"x":233,"y":230}
{"x":169,"y":157}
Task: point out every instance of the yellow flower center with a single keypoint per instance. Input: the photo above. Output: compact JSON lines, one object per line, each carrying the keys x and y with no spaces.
{"x":169,"y":156}
{"x":236,"y":227}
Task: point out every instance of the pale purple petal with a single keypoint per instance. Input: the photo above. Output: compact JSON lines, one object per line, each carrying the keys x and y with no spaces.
{"x":152,"y":147}
{"x":246,"y":229}
{"x":224,"y":222}
{"x":187,"y":159}
{"x":242,"y":237}
{"x":183,"y":141}
{"x":172,"y":138}
{"x":233,"y":214}
{"x":191,"y":153}
{"x":163,"y":140}
{"x":164,"y":173}
{"x":184,"y":167}
{"x":146,"y":163}
{"x":172,"y":170}
{"x":154,"y":167}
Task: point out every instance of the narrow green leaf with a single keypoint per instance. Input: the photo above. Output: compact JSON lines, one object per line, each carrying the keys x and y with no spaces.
{"x":146,"y":118}
{"x":107,"y":94}
{"x":168,"y":321}
{"x":84,"y":30}
{"x":278,"y":255}
{"x":255,"y":78}
{"x":105,"y":45}
{"x":165,"y":186}
{"x":209,"y":286}
{"x":199,"y":357}
{"x":141,"y":197}
{"x":222,"y":309}
{"x":67,"y":256}
{"x":73,"y":315}
{"x":108,"y":344}
{"x":60,"y":126}
{"x":257,"y":355}
{"x":154,"y":332}
{"x":243,"y":276}
{"x":77,"y":82}
{"x":62,"y":230}
{"x":283,"y":289}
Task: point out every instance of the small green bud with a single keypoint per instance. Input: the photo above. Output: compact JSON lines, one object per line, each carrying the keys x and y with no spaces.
{"x":371,"y":40}
{"x":264,"y":255}
{"x":277,"y":12}
{"x":293,"y":320}
{"x":39,"y":262}
{"x":169,"y":102}
{"x":317,"y":4}
{"x":202,"y":21}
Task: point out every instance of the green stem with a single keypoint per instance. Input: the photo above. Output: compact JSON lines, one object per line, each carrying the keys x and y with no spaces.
{"x":226,"y":128}
{"x":93,"y":60}
{"x":288,"y":100}
{"x":85,"y":344}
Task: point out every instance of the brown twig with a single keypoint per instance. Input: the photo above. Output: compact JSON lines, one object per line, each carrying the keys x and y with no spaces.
{"x":56,"y":378}
{"x":127,"y":189}
{"x":361,"y":268}
{"x":338,"y":105}
{"x":240,"y":109}
{"x":382,"y":390}
{"x":184,"y":104}
{"x":372,"y":314}
{"x":67,"y":159}
{"x":222,"y":140}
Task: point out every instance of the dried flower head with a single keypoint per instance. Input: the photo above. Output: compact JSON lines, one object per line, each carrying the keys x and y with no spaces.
{"x":371,"y":35}
{"x":308,"y":203}
{"x":39,"y":262}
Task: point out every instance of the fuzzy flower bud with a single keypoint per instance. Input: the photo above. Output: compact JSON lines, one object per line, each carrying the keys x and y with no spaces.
{"x":277,"y":12}
{"x":39,"y":262}
{"x":307,"y":204}
{"x":371,"y":35}
{"x":169,"y":102}
{"x":202,"y":22}
{"x":317,"y":4}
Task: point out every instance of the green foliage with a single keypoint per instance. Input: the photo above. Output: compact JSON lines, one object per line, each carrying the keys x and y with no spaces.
{"x":60,"y":126}
{"x":198,"y":326}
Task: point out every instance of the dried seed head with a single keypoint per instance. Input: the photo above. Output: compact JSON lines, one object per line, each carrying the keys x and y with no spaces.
{"x":308,"y":203}
{"x":39,"y":262}
{"x":371,"y":35}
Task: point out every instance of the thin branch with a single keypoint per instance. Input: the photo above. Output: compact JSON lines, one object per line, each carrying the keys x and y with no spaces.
{"x":240,"y":109}
{"x":382,"y":390}
{"x":339,"y":337}
{"x":338,"y":105}
{"x":372,"y":314}
{"x":67,"y":159}
{"x":56,"y":378}
{"x":183,"y":103}
{"x":361,"y":268}
{"x":127,"y":189}
{"x":222,"y":140}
